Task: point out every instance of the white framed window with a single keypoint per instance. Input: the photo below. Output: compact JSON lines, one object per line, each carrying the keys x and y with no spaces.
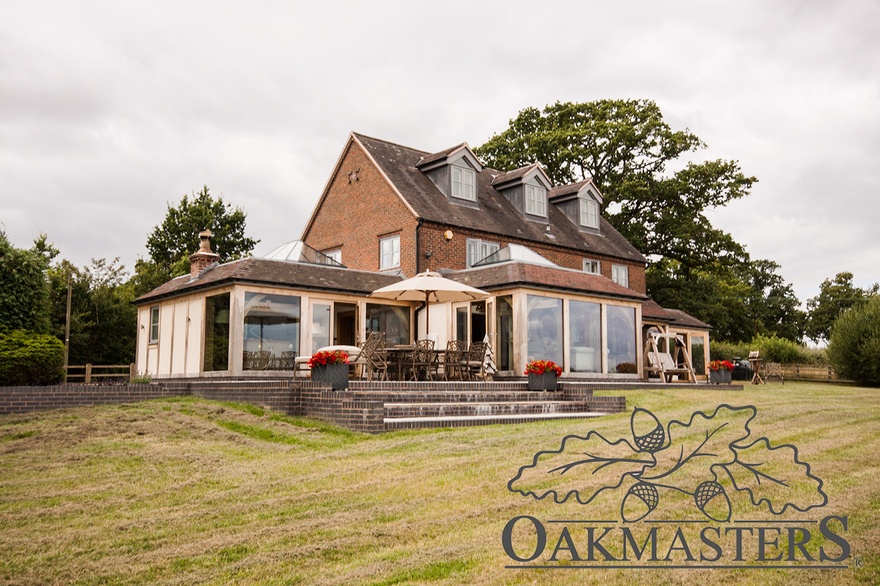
{"x":335,"y":255}
{"x":154,"y":324}
{"x":536,"y":201}
{"x":389,"y":252}
{"x":592,"y":266}
{"x":620,"y":275}
{"x":464,"y":183}
{"x":590,"y":213}
{"x":477,"y":250}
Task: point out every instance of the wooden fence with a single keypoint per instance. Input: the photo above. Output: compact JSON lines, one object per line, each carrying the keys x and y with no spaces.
{"x":89,"y":372}
{"x":810,"y":372}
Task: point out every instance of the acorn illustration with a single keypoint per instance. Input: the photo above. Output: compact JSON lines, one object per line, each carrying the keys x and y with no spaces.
{"x":640,"y":500}
{"x":647,"y":431}
{"x":711,"y":499}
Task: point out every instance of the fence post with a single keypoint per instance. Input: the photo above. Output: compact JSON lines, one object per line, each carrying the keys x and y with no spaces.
{"x":132,"y":372}
{"x":88,"y":372}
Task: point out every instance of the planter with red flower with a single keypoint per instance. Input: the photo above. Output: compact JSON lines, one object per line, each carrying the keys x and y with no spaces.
{"x":331,"y":367}
{"x":720,"y":372}
{"x":542,"y":375}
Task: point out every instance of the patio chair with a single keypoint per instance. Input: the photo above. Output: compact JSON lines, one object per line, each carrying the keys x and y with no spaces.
{"x":773,"y":370}
{"x":473,"y":363}
{"x":375,"y":356}
{"x":259,"y":360}
{"x":288,"y":360}
{"x":452,"y":365}
{"x":424,"y":360}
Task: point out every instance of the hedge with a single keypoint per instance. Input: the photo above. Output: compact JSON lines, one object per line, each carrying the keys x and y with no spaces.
{"x":27,"y":358}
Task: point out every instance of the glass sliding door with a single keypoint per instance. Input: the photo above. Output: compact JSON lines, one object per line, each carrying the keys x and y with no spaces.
{"x":504,"y":332}
{"x":320,"y":326}
{"x":621,"y":339}
{"x":544,"y":328}
{"x":271,"y":331}
{"x":216,"y":332}
{"x":585,"y":328}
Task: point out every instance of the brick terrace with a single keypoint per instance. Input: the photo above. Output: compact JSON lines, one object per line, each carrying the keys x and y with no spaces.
{"x":370,"y":407}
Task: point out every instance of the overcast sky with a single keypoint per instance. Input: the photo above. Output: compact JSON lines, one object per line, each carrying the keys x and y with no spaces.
{"x":111,"y":110}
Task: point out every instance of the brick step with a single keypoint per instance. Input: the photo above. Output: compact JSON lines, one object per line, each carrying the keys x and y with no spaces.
{"x":459,"y":396}
{"x":392,"y":423}
{"x":485,"y":408}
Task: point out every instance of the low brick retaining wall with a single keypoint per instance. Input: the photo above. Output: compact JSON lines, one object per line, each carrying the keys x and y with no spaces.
{"x":26,"y":399}
{"x":360,"y":408}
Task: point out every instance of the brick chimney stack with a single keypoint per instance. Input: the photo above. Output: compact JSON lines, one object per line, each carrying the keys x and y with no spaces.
{"x":204,"y":257}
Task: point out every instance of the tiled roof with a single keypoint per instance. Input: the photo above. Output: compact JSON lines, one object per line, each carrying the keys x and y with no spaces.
{"x":277,"y":273}
{"x":427,"y":159}
{"x":683,"y":319}
{"x":568,"y":189}
{"x":651,"y":310}
{"x":494,"y":214}
{"x":518,"y":273}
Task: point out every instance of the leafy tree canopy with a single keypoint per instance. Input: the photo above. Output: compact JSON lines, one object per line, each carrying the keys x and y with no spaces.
{"x":627,"y":147}
{"x":24,"y":300}
{"x":171,"y":243}
{"x":103,"y":319}
{"x":855,"y":342}
{"x":835,"y":296}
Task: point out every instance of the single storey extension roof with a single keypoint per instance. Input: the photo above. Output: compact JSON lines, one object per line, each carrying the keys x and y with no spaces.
{"x":685,"y":320}
{"x":493,"y":212}
{"x":260,"y":271}
{"x":511,"y":274}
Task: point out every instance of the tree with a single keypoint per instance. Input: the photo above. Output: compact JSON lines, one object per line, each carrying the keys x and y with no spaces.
{"x":855,"y":342}
{"x":835,"y":297}
{"x":24,"y":297}
{"x":103,"y":320}
{"x":171,"y":243}
{"x":625,"y":146}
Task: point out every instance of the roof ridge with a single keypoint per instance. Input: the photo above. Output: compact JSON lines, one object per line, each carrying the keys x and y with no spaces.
{"x":388,"y":142}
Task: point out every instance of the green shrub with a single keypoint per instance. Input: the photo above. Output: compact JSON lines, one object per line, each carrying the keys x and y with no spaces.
{"x":772,"y":349}
{"x":27,"y":358}
{"x":854,"y":348}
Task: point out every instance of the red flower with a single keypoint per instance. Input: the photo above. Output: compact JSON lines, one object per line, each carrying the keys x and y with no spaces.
{"x":326,"y":357}
{"x":543,"y":366}
{"x":721,"y":365}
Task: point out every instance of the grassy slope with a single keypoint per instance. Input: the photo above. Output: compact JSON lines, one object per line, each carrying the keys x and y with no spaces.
{"x":186,"y":491}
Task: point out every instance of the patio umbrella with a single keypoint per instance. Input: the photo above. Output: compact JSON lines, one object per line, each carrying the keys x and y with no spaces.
{"x":429,"y":287}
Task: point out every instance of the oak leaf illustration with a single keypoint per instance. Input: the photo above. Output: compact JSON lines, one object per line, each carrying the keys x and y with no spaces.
{"x":581,"y":468}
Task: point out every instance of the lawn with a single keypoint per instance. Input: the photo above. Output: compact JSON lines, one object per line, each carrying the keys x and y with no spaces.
{"x":192,"y":491}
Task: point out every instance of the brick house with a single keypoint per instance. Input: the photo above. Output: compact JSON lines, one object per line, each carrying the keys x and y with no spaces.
{"x":564,"y":284}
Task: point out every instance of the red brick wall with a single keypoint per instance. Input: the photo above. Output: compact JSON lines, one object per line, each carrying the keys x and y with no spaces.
{"x":353,"y":216}
{"x":452,"y":254}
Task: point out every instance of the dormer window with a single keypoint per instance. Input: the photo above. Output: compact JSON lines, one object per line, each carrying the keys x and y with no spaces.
{"x":454,"y":173}
{"x":536,"y":201}
{"x":464,"y":183}
{"x":589,"y":213}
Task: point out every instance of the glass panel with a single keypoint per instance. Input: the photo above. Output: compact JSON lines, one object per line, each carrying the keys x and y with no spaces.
{"x":389,"y":252}
{"x":584,"y":323}
{"x":545,"y":328}
{"x":621,"y":337}
{"x":217,"y":332}
{"x":391,"y":319}
{"x":698,"y":354}
{"x":154,"y":324}
{"x":320,"y":326}
{"x":461,"y":323}
{"x":271,"y":324}
{"x":504,"y":319}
